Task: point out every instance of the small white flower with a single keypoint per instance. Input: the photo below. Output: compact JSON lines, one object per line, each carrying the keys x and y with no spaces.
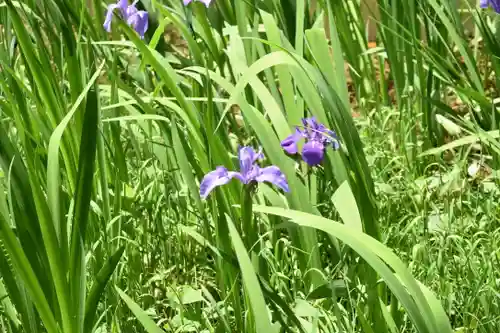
{"x":473,"y":169}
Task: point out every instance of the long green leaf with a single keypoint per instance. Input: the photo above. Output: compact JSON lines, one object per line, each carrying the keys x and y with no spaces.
{"x":251,"y":283}
{"x":23,"y":268}
{"x":84,"y":186}
{"x":97,"y":290}
{"x":148,"y":324}
{"x":399,"y":279}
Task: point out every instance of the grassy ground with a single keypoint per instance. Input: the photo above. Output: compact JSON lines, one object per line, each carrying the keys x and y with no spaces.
{"x":444,"y":224}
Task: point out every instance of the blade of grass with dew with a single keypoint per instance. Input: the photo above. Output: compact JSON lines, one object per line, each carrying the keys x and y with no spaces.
{"x":15,"y":291}
{"x":8,"y":307}
{"x":18,"y":294}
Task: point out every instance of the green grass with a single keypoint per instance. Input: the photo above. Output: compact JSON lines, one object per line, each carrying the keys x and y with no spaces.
{"x":104,"y":139}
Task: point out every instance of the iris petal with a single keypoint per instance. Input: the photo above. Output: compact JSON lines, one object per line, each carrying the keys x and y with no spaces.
{"x":290,"y":143}
{"x":109,"y":17}
{"x":313,"y":152}
{"x":272,"y":174}
{"x":123,"y":5}
{"x":130,"y":11}
{"x":493,"y":3}
{"x":496,"y":5}
{"x":220,"y":176}
{"x":250,"y":172}
{"x":317,"y":136}
{"x":139,"y":21}
{"x":248,"y":157}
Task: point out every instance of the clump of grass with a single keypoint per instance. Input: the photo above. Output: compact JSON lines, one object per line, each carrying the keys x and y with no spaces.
{"x":106,"y":138}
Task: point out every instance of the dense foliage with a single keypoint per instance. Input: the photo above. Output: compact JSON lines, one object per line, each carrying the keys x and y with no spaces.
{"x":249,"y":166}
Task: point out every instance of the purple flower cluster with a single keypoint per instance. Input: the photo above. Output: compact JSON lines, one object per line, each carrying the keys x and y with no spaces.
{"x":138,"y":19}
{"x":317,"y":137}
{"x":493,"y":3}
{"x":250,"y":173}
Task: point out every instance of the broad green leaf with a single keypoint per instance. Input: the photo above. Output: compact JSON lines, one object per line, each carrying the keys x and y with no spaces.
{"x":345,"y":203}
{"x":333,"y":69}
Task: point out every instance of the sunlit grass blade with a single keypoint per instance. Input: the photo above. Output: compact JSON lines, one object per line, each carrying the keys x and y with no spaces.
{"x":148,"y":324}
{"x":466,"y":140}
{"x":399,"y":279}
{"x":286,"y":87}
{"x":333,"y":69}
{"x":345,"y":203}
{"x":184,"y":165}
{"x":53,"y":175}
{"x":23,"y":268}
{"x":253,"y":292}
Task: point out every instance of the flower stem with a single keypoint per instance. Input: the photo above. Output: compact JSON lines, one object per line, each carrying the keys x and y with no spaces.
{"x":249,"y":227}
{"x":313,"y":186}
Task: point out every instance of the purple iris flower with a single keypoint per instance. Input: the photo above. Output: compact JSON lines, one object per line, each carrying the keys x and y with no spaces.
{"x":494,"y":3}
{"x":249,"y":173}
{"x":206,"y":2}
{"x":317,"y":136}
{"x":138,"y":19}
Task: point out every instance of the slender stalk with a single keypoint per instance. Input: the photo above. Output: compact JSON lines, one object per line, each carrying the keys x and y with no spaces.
{"x":249,"y":225}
